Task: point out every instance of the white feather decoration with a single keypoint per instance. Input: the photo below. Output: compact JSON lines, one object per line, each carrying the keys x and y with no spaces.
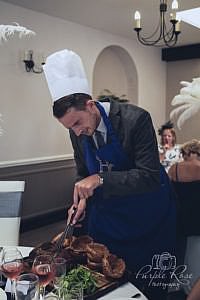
{"x":178,"y":110}
{"x":183,"y":99}
{"x":7,"y":31}
{"x":188,"y":101}
{"x":185,"y":83}
{"x":187,"y":114}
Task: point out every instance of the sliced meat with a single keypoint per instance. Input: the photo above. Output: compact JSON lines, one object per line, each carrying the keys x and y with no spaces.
{"x":113,"y":267}
{"x":80,"y":243}
{"x":94,"y":266}
{"x":46,"y":248}
{"x":96,"y":252}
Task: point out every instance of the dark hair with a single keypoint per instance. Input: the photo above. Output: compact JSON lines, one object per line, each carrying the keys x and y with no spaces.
{"x":77,"y":101}
{"x":167,"y":125}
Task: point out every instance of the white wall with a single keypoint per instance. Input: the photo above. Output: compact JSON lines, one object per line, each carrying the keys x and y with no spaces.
{"x":30,"y":131}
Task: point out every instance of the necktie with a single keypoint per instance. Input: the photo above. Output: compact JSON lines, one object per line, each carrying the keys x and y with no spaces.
{"x":99,"y":139}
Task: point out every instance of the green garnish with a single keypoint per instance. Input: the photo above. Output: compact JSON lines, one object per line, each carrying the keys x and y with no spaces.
{"x":77,"y":277}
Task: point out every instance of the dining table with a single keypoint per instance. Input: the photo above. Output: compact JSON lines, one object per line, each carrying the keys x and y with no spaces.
{"x":126,"y":291}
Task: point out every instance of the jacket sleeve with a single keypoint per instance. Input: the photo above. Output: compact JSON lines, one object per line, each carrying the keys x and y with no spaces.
{"x":144,"y":176}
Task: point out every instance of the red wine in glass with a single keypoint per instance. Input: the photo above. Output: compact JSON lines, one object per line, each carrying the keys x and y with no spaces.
{"x":43,"y":267}
{"x":45,"y":273}
{"x":12,"y":265}
{"x":12,"y":269}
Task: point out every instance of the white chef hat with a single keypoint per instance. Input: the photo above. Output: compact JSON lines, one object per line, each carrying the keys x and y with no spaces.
{"x":65,"y":74}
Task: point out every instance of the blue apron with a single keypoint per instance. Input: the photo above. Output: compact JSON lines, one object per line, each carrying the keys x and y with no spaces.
{"x":134,"y":227}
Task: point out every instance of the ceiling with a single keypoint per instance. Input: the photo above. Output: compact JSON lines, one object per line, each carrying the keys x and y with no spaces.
{"x":114,"y":16}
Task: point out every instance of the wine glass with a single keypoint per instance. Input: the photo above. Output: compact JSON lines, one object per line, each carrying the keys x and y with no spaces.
{"x":59,"y":271}
{"x":27,"y":287}
{"x":12,"y":265}
{"x":43,"y":267}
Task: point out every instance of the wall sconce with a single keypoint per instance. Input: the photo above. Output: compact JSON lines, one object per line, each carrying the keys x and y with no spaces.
{"x":30,"y":64}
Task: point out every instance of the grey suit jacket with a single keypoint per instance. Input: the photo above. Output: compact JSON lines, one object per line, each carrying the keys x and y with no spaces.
{"x":134,"y":129}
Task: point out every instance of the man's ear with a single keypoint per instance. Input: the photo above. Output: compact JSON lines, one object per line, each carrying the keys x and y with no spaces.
{"x":90,"y":105}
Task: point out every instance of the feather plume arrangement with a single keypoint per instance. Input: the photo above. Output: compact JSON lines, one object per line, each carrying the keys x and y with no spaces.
{"x":188,"y":101}
{"x":7,"y":31}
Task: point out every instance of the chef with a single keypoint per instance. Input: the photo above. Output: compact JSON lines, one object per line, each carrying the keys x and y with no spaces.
{"x":119,"y":177}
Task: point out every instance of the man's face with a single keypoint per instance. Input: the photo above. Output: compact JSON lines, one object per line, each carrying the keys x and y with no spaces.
{"x":82,"y":121}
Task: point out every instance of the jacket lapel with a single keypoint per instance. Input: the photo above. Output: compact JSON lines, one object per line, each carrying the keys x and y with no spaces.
{"x":114,"y":117}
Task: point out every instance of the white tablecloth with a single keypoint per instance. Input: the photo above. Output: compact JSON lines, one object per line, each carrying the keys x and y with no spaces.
{"x":24,"y":250}
{"x":124,"y":292}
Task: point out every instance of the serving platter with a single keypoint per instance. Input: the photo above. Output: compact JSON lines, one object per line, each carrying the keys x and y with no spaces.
{"x":104,"y":284}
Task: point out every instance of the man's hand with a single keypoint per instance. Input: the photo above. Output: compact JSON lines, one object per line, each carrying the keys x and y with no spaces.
{"x":166,"y":147}
{"x":80,"y":213}
{"x":84,"y":188}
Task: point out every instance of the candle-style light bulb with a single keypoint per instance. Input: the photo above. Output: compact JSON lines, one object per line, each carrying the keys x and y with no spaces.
{"x":178,"y":25}
{"x":174,"y":8}
{"x":137,"y":15}
{"x":175,"y":4}
{"x":137,"y":18}
{"x":27,"y":54}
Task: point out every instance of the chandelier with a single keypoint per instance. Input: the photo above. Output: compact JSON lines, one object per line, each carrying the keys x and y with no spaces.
{"x":162,"y":36}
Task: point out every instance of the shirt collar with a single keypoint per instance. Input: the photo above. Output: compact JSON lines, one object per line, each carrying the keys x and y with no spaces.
{"x":102,"y":127}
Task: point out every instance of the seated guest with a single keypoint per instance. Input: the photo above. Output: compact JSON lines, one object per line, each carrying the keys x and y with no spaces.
{"x":169,"y":151}
{"x":189,"y":169}
{"x":185,"y":177}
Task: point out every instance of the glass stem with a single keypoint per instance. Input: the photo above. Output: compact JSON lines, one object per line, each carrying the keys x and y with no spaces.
{"x":12,"y":286}
{"x":42,"y":292}
{"x":59,"y":293}
{"x":2,"y":283}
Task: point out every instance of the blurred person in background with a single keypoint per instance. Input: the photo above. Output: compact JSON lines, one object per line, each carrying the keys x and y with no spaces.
{"x":189,"y":169}
{"x":169,"y":151}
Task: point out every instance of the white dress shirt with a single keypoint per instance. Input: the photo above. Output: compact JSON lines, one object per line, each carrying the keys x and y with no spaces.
{"x":102,"y":128}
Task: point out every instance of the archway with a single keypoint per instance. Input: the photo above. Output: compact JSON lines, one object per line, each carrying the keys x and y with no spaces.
{"x":115,"y":71}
